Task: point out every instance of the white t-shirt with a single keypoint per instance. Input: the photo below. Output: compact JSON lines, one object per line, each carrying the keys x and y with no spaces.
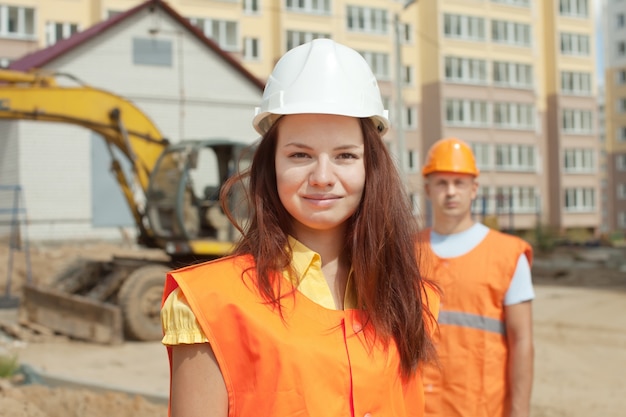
{"x":457,"y":244}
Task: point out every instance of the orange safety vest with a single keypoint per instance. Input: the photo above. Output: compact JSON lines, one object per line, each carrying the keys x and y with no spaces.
{"x":312,"y":362}
{"x":472,"y":378}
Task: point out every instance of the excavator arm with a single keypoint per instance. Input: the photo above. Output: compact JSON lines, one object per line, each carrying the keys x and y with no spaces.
{"x":38,"y":96}
{"x":103,"y":301}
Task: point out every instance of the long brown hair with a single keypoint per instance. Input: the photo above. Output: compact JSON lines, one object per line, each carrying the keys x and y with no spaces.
{"x":381,"y":245}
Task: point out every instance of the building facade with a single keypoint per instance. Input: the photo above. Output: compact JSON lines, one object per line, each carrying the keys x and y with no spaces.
{"x":614,"y":23}
{"x":572,"y":156}
{"x":514,"y":78}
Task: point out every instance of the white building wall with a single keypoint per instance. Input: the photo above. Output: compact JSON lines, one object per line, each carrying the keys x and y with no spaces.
{"x":56,"y":179}
{"x":9,"y":173}
{"x":8,"y":152}
{"x":55,"y":158}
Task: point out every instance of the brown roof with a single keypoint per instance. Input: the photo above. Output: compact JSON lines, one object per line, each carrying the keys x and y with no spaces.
{"x":42,"y":57}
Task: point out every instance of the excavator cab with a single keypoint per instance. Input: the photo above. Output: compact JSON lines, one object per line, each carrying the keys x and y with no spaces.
{"x":182,"y":201}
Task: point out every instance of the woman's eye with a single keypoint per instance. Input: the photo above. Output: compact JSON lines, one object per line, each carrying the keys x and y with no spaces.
{"x":298,"y":155}
{"x":347,"y":155}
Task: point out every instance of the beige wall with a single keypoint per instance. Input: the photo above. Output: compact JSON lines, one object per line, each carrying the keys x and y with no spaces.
{"x":614,"y":147}
{"x":426,"y":55}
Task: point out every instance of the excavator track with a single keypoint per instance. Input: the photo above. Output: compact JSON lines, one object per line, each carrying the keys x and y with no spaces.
{"x":100,"y":301}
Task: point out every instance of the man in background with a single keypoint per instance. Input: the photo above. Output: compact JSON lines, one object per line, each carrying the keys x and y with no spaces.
{"x":485,"y":341}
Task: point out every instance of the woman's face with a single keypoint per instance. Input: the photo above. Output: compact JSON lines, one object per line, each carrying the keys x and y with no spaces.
{"x":320,"y":171}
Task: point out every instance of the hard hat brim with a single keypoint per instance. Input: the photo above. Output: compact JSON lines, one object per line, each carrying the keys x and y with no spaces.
{"x":263,"y":121}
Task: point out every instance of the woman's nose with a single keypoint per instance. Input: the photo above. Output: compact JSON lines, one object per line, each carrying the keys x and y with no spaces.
{"x":322,"y":173}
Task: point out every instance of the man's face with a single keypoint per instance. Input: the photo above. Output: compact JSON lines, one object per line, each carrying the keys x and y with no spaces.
{"x":451,"y":194}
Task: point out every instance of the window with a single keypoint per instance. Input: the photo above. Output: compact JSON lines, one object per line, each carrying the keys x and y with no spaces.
{"x":465,"y":70}
{"x":410,"y":118}
{"x":296,"y":38}
{"x":406,"y":33}
{"x":511,"y":33}
{"x":251,"y":48}
{"x":576,"y":83}
{"x":621,"y":191}
{"x":379,"y":63}
{"x":577,"y":121}
{"x":309,"y":6}
{"x":251,"y":6}
{"x":407,"y":75}
{"x":621,"y":134}
{"x":579,"y":160}
{"x":580,"y":199}
{"x":466,"y":112}
{"x":483,"y":203}
{"x":515,"y":158}
{"x":620,"y":20}
{"x":464,"y":27}
{"x":514,"y":115}
{"x":414,"y":160}
{"x":620,"y":162}
{"x":415,"y":199}
{"x":620,"y":77}
{"x":113,"y":13}
{"x":575,"y":44}
{"x":153,"y":52}
{"x":621,"y":48}
{"x":224,"y":32}
{"x":17,"y":22}
{"x":387,"y":102}
{"x":57,"y":31}
{"x":621,"y":105}
{"x":512,"y":74}
{"x":574,"y":8}
{"x":516,"y":199}
{"x":521,"y":3}
{"x":482,"y":154}
{"x":365,"y":19}
{"x":622,"y":219}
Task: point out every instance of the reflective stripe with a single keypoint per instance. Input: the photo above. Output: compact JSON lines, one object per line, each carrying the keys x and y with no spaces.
{"x":472,"y":320}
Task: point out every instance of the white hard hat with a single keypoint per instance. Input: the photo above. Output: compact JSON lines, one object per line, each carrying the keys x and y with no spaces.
{"x":324,"y":77}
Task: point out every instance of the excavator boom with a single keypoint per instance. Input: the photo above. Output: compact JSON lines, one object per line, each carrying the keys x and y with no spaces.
{"x":119,"y":121}
{"x":37,"y":96}
{"x":180,"y":214}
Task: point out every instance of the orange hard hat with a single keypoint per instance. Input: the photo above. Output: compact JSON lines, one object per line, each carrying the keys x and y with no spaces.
{"x":450,"y":155}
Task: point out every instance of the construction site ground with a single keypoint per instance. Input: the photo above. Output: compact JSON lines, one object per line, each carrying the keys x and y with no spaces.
{"x":579,"y":325}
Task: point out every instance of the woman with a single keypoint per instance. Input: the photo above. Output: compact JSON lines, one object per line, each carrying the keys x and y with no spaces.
{"x":321,"y":310}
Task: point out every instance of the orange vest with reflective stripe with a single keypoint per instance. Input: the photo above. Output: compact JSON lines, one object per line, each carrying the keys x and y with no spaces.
{"x":311,"y":362}
{"x":472,"y":379}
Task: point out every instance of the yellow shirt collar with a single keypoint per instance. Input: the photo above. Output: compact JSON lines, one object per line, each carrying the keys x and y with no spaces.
{"x":307,"y":265}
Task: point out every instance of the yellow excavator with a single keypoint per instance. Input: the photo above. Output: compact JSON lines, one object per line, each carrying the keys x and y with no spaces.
{"x":177,"y":210}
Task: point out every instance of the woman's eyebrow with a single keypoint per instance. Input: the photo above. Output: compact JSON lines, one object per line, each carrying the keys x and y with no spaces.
{"x":297,"y":145}
{"x":337,"y":148}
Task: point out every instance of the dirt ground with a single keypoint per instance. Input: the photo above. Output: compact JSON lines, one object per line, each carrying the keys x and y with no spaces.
{"x":579,"y":325}
{"x":78,"y":361}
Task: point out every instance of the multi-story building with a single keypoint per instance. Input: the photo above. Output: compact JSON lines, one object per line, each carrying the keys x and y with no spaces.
{"x":512,"y":77}
{"x":483,"y":82}
{"x":572,"y":148}
{"x":605,"y":208}
{"x":614,"y":23}
{"x":515,"y":79}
